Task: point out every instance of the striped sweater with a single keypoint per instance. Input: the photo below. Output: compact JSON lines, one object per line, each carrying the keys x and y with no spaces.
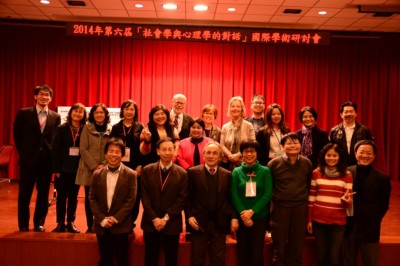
{"x":324,"y":203}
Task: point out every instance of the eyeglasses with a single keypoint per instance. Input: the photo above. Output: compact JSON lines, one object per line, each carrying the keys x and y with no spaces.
{"x":180,"y":103}
{"x":258,"y":103}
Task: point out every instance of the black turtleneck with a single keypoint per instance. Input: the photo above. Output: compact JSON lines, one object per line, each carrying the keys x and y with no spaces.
{"x":362,"y":173}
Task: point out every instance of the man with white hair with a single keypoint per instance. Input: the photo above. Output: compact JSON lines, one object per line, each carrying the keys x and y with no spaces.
{"x":180,"y":120}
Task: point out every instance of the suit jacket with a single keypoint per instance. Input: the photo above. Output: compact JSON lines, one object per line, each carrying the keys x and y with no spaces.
{"x":30,"y":141}
{"x":338,"y":136}
{"x":185,"y":130}
{"x":198,"y":198}
{"x":371,"y":205}
{"x":159,"y":200}
{"x":319,"y":140}
{"x":122,"y":202}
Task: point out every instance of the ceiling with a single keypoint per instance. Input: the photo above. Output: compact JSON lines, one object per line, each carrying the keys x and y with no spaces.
{"x":342,"y":15}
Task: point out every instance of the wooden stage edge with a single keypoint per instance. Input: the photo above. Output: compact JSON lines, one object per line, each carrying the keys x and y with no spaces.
{"x":31,"y":248}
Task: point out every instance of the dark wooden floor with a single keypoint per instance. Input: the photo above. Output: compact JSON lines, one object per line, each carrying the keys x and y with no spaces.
{"x":83,"y":244}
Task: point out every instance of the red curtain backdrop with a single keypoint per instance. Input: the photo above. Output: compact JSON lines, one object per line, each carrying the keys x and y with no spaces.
{"x":364,"y":69}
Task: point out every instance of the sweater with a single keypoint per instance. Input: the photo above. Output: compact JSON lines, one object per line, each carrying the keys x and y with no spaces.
{"x":291,"y":181}
{"x":262,"y":177}
{"x":324,"y":203}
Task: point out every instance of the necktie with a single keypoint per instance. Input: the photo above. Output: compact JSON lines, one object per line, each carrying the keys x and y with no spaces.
{"x":42,"y":119}
{"x":212,"y":171}
{"x":176,"y":122}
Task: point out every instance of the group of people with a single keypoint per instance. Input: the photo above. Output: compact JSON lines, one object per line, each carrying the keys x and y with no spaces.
{"x":250,"y":176}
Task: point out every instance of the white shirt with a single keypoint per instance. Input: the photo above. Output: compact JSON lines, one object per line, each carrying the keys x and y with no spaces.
{"x":112,"y":179}
{"x":180,"y":119}
{"x":349,"y":134}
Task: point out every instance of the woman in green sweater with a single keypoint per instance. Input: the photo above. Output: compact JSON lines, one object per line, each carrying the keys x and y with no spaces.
{"x":251,"y":193}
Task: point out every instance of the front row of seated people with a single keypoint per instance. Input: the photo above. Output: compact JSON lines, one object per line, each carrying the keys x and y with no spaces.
{"x":216,"y":201}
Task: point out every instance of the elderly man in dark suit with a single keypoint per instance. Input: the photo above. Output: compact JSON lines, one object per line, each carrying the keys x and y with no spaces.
{"x":179,"y":119}
{"x":371,"y":201}
{"x":164,"y":195}
{"x":209,"y":211}
{"x":34,"y":129}
{"x":112,"y":197}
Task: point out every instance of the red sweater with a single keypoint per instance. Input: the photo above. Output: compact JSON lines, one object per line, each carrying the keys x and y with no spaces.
{"x":324,"y":203}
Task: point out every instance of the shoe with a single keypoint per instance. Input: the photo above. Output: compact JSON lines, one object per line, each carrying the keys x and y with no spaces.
{"x":59,"y":229}
{"x":89,"y":231}
{"x":39,"y":228}
{"x":72,"y":229}
{"x":24,"y":229}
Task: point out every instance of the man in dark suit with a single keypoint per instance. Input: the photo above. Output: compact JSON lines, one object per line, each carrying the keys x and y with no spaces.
{"x":34,"y":129}
{"x":371,"y":202}
{"x":349,"y":132}
{"x":179,"y":119}
{"x":164,"y":195}
{"x":112,"y":197}
{"x":209,"y":211}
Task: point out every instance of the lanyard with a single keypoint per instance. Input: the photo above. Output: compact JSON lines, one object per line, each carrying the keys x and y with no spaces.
{"x":74,"y":137}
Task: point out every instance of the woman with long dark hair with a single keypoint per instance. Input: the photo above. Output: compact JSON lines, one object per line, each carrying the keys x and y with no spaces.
{"x":330,"y":194}
{"x":65,"y":158}
{"x":93,"y":140}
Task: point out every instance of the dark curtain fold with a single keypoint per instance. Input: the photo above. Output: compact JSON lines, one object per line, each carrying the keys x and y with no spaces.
{"x":89,"y":70}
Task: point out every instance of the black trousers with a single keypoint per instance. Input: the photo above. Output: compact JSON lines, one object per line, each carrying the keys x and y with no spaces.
{"x":67,"y":197}
{"x":41,"y":177}
{"x":135,"y":210}
{"x":113,"y":246}
{"x":213,"y":239}
{"x":88,"y":210}
{"x":152,"y":244}
{"x":328,"y":239}
{"x":250,"y":243}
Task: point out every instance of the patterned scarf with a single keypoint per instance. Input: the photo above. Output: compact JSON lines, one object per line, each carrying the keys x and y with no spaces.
{"x":306,"y":147}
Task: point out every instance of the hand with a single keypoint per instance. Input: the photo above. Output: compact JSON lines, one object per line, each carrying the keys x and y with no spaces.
{"x":193,"y":223}
{"x":348,"y":197}
{"x":159,"y":224}
{"x":248,"y":223}
{"x":146,"y":133}
{"x":309,"y":227}
{"x":246,"y":215}
{"x":107,"y":222}
{"x":235,"y":158}
{"x":139,"y":170}
{"x":234,"y":225}
{"x":57,"y":175}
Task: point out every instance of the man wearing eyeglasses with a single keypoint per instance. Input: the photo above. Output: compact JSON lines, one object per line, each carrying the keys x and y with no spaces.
{"x":179,"y":119}
{"x":34,"y":129}
{"x":257,"y":117}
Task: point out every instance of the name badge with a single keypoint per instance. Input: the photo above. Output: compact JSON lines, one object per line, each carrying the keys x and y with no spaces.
{"x":250,"y":189}
{"x":278,"y":153}
{"x":127,"y":156}
{"x":73,"y":151}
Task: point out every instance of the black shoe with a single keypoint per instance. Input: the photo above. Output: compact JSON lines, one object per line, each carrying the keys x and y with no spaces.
{"x":39,"y":228}
{"x":24,"y":229}
{"x":89,"y":231}
{"x":72,"y":229}
{"x":59,"y":229}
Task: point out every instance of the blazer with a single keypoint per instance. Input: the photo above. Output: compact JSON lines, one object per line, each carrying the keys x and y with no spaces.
{"x":158,"y":200}
{"x":186,"y":151}
{"x":30,"y":141}
{"x":185,"y":130}
{"x":198,"y":198}
{"x":370,"y":206}
{"x":91,"y":149}
{"x":63,"y":141}
{"x":122,"y":202}
{"x":319,"y":139}
{"x":338,"y":136}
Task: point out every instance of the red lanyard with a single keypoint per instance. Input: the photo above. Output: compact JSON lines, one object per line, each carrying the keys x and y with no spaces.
{"x":74,"y":137}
